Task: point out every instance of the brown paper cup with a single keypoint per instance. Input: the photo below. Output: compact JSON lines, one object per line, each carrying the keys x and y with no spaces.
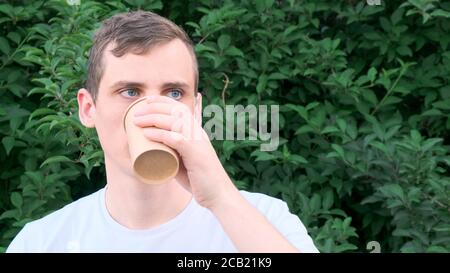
{"x":153,"y":162}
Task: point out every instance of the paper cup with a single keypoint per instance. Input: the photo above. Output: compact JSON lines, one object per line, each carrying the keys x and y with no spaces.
{"x":153,"y":162}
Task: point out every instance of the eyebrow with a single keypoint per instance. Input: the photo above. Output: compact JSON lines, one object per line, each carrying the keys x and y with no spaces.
{"x":174,"y":84}
{"x":122,"y":84}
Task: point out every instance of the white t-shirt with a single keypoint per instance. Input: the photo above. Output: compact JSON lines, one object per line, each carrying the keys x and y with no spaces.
{"x":86,"y":226}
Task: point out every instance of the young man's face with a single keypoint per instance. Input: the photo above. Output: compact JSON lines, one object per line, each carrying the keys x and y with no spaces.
{"x":166,"y":70}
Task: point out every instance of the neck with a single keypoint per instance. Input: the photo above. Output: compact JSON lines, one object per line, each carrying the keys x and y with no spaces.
{"x":136,"y":205}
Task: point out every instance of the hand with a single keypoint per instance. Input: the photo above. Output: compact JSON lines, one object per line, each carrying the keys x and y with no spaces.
{"x":171,"y":122}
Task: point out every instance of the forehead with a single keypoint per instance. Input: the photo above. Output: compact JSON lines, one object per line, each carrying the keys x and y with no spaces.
{"x":166,"y":62}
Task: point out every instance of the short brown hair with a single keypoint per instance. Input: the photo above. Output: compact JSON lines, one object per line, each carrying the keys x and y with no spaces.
{"x":136,"y":32}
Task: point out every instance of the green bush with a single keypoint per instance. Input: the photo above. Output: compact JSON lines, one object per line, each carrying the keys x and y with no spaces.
{"x":364,"y":95}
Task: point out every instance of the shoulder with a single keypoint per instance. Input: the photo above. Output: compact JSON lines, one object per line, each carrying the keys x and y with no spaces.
{"x":279,"y":215}
{"x":35,"y":234}
{"x":70,"y":211}
{"x":268,"y":205}
{"x":273,"y":208}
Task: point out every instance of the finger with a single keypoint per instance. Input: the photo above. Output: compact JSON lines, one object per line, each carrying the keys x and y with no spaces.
{"x":173,"y":107}
{"x":158,"y":120}
{"x":154,"y":108}
{"x":198,"y":108}
{"x":163,"y":99}
{"x":172,"y":139}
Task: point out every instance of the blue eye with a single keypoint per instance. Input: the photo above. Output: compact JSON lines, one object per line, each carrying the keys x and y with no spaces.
{"x":129,"y":92}
{"x":175,"y":94}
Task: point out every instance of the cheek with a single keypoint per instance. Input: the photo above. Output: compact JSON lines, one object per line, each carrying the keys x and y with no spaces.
{"x":110,"y":130}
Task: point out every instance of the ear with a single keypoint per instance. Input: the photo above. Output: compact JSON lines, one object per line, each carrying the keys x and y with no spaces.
{"x":198,"y":108}
{"x":86,"y":108}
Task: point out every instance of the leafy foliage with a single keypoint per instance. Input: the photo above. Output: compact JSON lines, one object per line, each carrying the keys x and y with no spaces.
{"x":364,"y":95}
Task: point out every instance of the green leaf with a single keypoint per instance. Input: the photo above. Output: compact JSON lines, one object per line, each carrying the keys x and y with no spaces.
{"x":200,"y":48}
{"x":372,"y":73}
{"x":263,"y":156}
{"x":329,"y":129}
{"x":392,"y":131}
{"x":437,"y":249}
{"x":4,"y":46}
{"x":248,"y":167}
{"x":392,"y":100}
{"x":97,"y":154}
{"x":35,"y":176}
{"x":371,"y":35}
{"x":416,"y":137}
{"x":312,"y":105}
{"x":262,"y":83}
{"x":319,"y":117}
{"x":14,"y":36}
{"x":430,"y":143}
{"x":352,"y":131}
{"x":8,"y":143}
{"x":56,"y":159}
{"x":393,"y":190}
{"x":304,"y":129}
{"x":315,"y":202}
{"x":378,"y":130}
{"x":341,"y":124}
{"x":440,"y":13}
{"x":10,"y":214}
{"x":234,"y":51}
{"x":16,"y":199}
{"x":432,"y":112}
{"x":299,"y":109}
{"x":397,"y":16}
{"x":404,"y":51}
{"x":259,"y":6}
{"x":385,"y":24}
{"x":379,"y":146}
{"x":444,"y":104}
{"x":344,"y":247}
{"x":17,"y":89}
{"x":277,"y":76}
{"x":224,"y":41}
{"x":7,"y":9}
{"x":370,"y":96}
{"x":328,"y":199}
{"x":339,"y":150}
{"x":298,"y":159}
{"x":41,"y":112}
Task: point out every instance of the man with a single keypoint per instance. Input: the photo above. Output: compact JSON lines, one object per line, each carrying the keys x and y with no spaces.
{"x":141,"y":54}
